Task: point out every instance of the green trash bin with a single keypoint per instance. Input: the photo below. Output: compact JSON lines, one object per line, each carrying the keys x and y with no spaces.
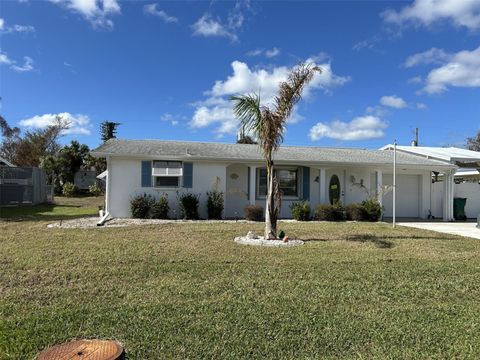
{"x":459,"y":208}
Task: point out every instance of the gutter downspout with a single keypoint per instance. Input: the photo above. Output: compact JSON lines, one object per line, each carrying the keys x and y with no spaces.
{"x":103,"y":219}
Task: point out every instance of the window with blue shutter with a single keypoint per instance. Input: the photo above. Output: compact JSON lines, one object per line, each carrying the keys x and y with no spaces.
{"x":306,"y":183}
{"x":146,"y":173}
{"x":187,"y":175}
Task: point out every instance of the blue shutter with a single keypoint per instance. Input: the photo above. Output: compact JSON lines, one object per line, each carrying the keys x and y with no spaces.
{"x":187,"y":175}
{"x":306,"y":183}
{"x":146,"y":173}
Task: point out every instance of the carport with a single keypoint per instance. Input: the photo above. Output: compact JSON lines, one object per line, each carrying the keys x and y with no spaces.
{"x":461,"y":158}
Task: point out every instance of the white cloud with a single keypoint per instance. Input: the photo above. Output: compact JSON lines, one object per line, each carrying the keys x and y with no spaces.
{"x":173,"y":120}
{"x":272,"y":52}
{"x":432,"y":56}
{"x":461,"y":70}
{"x":152,"y":9}
{"x":217,"y":109}
{"x":462,"y":13}
{"x":360,"y":128}
{"x":269,"y":53}
{"x":421,"y":106}
{"x":27,"y":63}
{"x":97,"y":12}
{"x":367,"y":43}
{"x":4,"y":29}
{"x":4,"y":59}
{"x":78,"y":124}
{"x":415,"y":80}
{"x":393,"y":101}
{"x":208,"y":27}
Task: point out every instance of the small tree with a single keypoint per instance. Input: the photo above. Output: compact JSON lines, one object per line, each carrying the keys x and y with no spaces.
{"x":108,"y":130}
{"x":473,"y":143}
{"x":28,"y":150}
{"x":268,"y":125}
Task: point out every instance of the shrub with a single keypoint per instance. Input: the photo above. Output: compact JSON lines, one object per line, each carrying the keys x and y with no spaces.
{"x":330,"y":212}
{"x":373,"y":209}
{"x":254,"y":212}
{"x":188,"y":205}
{"x":95,"y":190}
{"x":215,"y":204}
{"x":355,"y":212}
{"x":69,"y":189}
{"x":160,"y":208}
{"x":141,"y":205}
{"x":300,"y":210}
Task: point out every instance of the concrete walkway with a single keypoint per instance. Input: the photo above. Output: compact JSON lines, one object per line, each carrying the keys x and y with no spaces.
{"x":468,"y":229}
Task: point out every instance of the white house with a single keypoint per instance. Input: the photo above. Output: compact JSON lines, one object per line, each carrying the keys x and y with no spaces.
{"x":461,"y":183}
{"x":319,"y":175}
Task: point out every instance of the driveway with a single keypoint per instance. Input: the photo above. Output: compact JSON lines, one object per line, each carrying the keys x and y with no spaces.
{"x":468,"y":229}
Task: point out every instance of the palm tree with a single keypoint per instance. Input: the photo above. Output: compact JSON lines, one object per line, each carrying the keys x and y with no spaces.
{"x":268,"y":125}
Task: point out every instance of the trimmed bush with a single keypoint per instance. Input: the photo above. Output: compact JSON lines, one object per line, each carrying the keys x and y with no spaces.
{"x":69,"y":189}
{"x":95,"y":190}
{"x":214,"y":204}
{"x":373,"y":209}
{"x":330,"y":212}
{"x":254,"y":212}
{"x":300,"y":210}
{"x":355,"y":212}
{"x":188,"y":203}
{"x":141,"y":205}
{"x":160,"y":208}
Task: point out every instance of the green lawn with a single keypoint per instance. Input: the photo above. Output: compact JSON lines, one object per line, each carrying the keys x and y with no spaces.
{"x":62,"y":209}
{"x":355,"y":290}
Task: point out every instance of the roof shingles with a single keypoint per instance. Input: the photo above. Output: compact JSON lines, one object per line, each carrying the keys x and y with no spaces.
{"x":236,"y":152}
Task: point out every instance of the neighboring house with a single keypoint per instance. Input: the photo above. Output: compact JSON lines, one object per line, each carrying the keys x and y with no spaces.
{"x":83,"y":179}
{"x":319,"y":175}
{"x":463,"y":183}
{"x":5,"y":162}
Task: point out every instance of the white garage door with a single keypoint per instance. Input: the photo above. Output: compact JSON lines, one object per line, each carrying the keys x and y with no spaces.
{"x":408,"y":196}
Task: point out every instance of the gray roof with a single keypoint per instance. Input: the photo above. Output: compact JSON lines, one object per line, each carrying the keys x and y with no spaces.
{"x":243,"y":152}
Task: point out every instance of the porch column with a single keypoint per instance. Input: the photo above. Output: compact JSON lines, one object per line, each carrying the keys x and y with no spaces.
{"x":323,"y":187}
{"x":252,"y":173}
{"x":448,"y":195}
{"x":379,"y":186}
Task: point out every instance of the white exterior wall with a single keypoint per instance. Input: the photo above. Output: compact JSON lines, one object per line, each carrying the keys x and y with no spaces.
{"x":420,"y":198}
{"x":124,"y":179}
{"x":471,"y":191}
{"x":125,"y":183}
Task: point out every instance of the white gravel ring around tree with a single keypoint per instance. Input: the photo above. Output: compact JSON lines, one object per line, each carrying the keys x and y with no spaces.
{"x":260,"y":241}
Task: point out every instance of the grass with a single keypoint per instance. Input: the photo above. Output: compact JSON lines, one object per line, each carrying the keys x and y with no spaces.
{"x":353,"y":291}
{"x":63,"y":209}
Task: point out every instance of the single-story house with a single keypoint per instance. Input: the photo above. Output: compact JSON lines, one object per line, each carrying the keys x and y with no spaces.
{"x":319,"y":175}
{"x":463,"y":183}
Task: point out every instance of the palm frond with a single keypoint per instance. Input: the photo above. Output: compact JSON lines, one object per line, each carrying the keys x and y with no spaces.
{"x":291,"y":90}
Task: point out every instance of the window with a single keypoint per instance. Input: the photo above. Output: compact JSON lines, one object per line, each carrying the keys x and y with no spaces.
{"x":167,"y":181}
{"x":287,"y":181}
{"x":167,"y":168}
{"x":167,"y":173}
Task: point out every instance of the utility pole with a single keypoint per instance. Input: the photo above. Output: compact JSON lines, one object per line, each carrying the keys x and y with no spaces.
{"x":394,"y":181}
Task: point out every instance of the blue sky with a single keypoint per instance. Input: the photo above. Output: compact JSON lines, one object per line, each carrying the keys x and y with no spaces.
{"x":165,"y":70}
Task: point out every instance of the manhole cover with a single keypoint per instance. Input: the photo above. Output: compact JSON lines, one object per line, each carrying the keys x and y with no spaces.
{"x":84,"y":349}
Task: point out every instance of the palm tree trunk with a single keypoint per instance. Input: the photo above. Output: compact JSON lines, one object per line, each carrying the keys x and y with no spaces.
{"x":270,"y":215}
